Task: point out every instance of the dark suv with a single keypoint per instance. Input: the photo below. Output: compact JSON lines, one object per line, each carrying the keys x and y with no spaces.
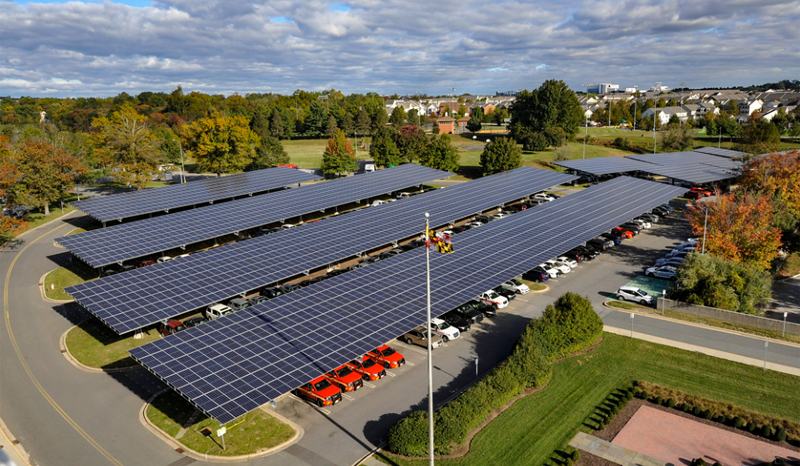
{"x":457,"y":320}
{"x":537,"y":274}
{"x":471,"y":311}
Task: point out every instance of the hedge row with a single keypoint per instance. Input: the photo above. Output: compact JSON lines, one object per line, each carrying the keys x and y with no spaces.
{"x":757,"y":423}
{"x":605,"y":412}
{"x":567,"y":326}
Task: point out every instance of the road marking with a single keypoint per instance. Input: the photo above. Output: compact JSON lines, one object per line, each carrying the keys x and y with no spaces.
{"x":417,"y":350}
{"x":367,"y":384}
{"x":27,"y":369}
{"x":409,"y":363}
{"x":348,"y":397}
{"x":390,"y":374}
{"x":323,"y":410}
{"x":294,"y":397}
{"x":523,"y":300}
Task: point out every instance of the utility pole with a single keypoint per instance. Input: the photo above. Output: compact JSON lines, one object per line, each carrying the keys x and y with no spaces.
{"x":430,"y":361}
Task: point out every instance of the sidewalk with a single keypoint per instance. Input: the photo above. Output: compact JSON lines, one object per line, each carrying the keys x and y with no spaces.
{"x":11,"y":453}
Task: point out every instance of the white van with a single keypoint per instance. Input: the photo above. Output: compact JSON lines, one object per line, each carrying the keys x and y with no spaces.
{"x":631,"y":293}
{"x":216,"y":311}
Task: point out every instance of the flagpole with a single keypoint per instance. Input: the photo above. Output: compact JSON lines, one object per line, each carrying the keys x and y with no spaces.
{"x":430,"y":361}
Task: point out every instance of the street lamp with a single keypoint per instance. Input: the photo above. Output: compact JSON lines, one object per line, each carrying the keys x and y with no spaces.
{"x":586,"y":118}
{"x":430,"y":361}
{"x":635,"y":104}
{"x":657,"y":88}
{"x":683,"y":88}
{"x":180,"y":147}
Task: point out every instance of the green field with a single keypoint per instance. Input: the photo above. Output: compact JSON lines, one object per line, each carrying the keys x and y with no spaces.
{"x":94,"y":344}
{"x":536,"y":425}
{"x":62,"y":277}
{"x":307,"y":153}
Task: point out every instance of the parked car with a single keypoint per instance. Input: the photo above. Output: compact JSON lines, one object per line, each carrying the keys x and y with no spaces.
{"x":163,"y":259}
{"x":459,"y":229}
{"x":483,"y":219}
{"x":194,"y":321}
{"x":237,"y":304}
{"x":146,"y":263}
{"x":645,"y":222}
{"x":544,"y":197}
{"x":672,"y":262}
{"x":486,"y":309}
{"x":678,"y":253}
{"x":390,"y":253}
{"x":536,"y":274}
{"x":368,"y":368}
{"x":551,"y":271}
{"x":516,"y":286}
{"x":473,"y":224}
{"x":447,"y":331}
{"x":599,"y":244}
{"x":290,"y":287}
{"x":456,"y":320}
{"x":560,"y":266}
{"x":623,"y":233}
{"x":215,"y":311}
{"x":616,"y":239}
{"x":257,"y":299}
{"x":386,"y":356}
{"x":320,"y":391}
{"x":632,"y":293}
{"x":494,"y":299}
{"x":702,"y":192}
{"x":419,"y":336}
{"x":171,"y":327}
{"x":499,"y":215}
{"x":272,"y":292}
{"x":345,"y":378}
{"x":665,"y":272}
{"x":572,"y":256}
{"x":472,"y":311}
{"x":533,"y":202}
{"x":652,"y":218}
{"x":508,"y":294}
{"x":336,"y":272}
{"x":587,"y":252}
{"x":572,"y":263}
{"x":634,"y":227}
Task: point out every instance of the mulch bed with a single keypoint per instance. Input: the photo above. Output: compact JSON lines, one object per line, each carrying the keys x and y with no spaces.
{"x":621,"y":419}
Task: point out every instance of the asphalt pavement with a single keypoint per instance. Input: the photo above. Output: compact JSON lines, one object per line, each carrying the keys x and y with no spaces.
{"x":64,"y":416}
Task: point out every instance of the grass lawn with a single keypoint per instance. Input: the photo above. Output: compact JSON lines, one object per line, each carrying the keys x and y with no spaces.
{"x":538,"y":424}
{"x":77,"y":272}
{"x":257,"y":432}
{"x":307,"y":153}
{"x":93,"y":344}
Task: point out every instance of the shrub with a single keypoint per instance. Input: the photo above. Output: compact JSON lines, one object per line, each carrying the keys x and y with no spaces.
{"x":534,"y":141}
{"x":766,"y":431}
{"x":569,"y":325}
{"x":635,"y":383}
{"x":707,"y":414}
{"x":615,"y":410}
{"x":629,"y":394}
{"x":568,"y":462}
{"x":700,"y":462}
{"x":751,"y":427}
{"x":670,"y":403}
{"x":410,"y":435}
{"x":780,"y":434}
{"x":659,"y":400}
{"x":643,"y":395}
{"x":576,"y":455}
{"x":717,"y":463}
{"x":738,"y":422}
{"x":696,"y":411}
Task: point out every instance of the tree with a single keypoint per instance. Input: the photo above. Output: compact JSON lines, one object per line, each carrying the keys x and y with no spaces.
{"x":738,"y":229}
{"x":46,"y":173}
{"x":677,"y":138}
{"x":276,"y":124}
{"x":552,"y":104}
{"x":222,"y":144}
{"x":500,"y":155}
{"x":314,"y":124}
{"x":125,"y":144}
{"x":411,"y":142}
{"x":760,"y":137}
{"x":339,"y":157}
{"x":776,"y":175}
{"x":499,"y":116}
{"x":330,"y":128}
{"x":260,"y":121}
{"x":269,"y":153}
{"x":475,"y":122}
{"x":440,"y":154}
{"x":363,"y":122}
{"x":379,"y":120}
{"x":383,"y":148}
{"x":723,"y":283}
{"x":348,"y":125}
{"x":9,"y":177}
{"x":398,"y":117}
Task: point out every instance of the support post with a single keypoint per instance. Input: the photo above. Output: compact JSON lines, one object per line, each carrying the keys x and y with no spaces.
{"x":430,"y":361}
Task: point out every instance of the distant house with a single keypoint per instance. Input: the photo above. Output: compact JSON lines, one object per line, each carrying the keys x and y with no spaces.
{"x":462,"y":122}
{"x":664,"y":114}
{"x":446,"y":125}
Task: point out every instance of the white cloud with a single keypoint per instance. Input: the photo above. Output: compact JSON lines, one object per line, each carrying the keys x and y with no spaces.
{"x":391,"y":45}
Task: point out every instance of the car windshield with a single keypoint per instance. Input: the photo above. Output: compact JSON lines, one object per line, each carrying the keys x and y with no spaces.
{"x":367,"y":364}
{"x":516,"y":282}
{"x":387,"y":352}
{"x":344,"y":371}
{"x":491,"y":294}
{"x":442,"y":326}
{"x":322,"y":385}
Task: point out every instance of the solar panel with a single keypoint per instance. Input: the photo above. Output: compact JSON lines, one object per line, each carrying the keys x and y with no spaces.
{"x":720,"y":152}
{"x":151,"y":236}
{"x":697,"y":173}
{"x":603,"y":165}
{"x":148,"y":201}
{"x":234,"y":364}
{"x":136,"y":299}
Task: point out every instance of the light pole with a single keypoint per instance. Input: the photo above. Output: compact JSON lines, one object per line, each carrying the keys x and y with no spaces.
{"x":180,"y":147}
{"x":635,"y":106}
{"x":586,"y":135}
{"x":631,"y":324}
{"x":683,"y":88}
{"x":785,"y":314}
{"x":657,"y":88}
{"x":430,"y":361}
{"x":766,"y":353}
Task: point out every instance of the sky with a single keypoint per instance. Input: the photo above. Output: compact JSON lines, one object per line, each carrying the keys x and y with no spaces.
{"x":102,"y":48}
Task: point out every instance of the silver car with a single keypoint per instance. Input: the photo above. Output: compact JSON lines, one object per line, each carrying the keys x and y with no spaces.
{"x":419,"y":337}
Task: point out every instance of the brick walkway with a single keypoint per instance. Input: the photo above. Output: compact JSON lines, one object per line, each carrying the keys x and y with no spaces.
{"x":678,"y":440}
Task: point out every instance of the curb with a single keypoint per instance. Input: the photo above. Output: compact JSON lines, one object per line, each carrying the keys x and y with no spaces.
{"x":16,"y":447}
{"x":545,"y":290}
{"x":43,"y":292}
{"x":184,"y":450}
{"x":62,"y":344}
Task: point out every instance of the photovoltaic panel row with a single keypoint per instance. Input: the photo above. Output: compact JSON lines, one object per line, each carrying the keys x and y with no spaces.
{"x":234,"y":364}
{"x":685,"y":159}
{"x":697,"y":174}
{"x":142,"y":297}
{"x":147,"y":201}
{"x":604,"y":165}
{"x":151,"y":236}
{"x":720,"y":152}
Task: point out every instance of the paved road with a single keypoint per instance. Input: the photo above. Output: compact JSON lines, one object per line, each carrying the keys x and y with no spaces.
{"x":64,"y":416}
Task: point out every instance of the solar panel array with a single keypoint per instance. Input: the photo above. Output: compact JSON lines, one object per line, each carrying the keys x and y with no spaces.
{"x":720,"y":152}
{"x":142,"y":297}
{"x":147,"y":201}
{"x":694,"y":167}
{"x":604,"y":165}
{"x":234,"y":364}
{"x":150,"y":236}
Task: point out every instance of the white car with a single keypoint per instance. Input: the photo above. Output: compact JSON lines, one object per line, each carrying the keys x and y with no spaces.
{"x":516,"y":286}
{"x":572,"y":263}
{"x":544,"y":197}
{"x":216,"y":311}
{"x":672,"y":261}
{"x":666,"y":272}
{"x":473,"y":224}
{"x":645,"y":224}
{"x":551,"y":271}
{"x":631,"y":293}
{"x":447,"y":331}
{"x":491,"y":297}
{"x":163,"y":259}
{"x":286,"y":226}
{"x":498,"y":216}
{"x":560,"y":266}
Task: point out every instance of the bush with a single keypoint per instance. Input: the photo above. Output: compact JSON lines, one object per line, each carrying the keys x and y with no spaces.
{"x":780,"y":434}
{"x":670,"y":403}
{"x":697,"y":411}
{"x":643,"y":395}
{"x":569,"y":325}
{"x":707,"y":414}
{"x":534,"y":141}
{"x":766,"y":431}
{"x":568,"y":462}
{"x":738,"y":422}
{"x":409,"y":437}
{"x":659,"y":400}
{"x":700,"y":462}
{"x":576,"y":455}
{"x":686,"y":408}
{"x":751,"y":427}
{"x":717,"y":463}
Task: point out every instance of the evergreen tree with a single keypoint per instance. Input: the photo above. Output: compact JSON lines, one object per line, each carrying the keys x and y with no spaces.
{"x":383,"y":148}
{"x":339,"y":157}
{"x":330,"y":128}
{"x":363,"y":122}
{"x":276,"y":126}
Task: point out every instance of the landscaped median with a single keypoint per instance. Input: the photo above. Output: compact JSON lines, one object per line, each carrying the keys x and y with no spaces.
{"x":96,"y":346}
{"x":537,"y":425}
{"x":62,"y":277}
{"x":257,"y":432}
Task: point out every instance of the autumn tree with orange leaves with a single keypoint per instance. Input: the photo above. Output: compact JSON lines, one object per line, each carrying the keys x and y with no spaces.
{"x":339,"y":157}
{"x":740,"y":229}
{"x":777,"y":176}
{"x":46,"y":173}
{"x":9,"y":175}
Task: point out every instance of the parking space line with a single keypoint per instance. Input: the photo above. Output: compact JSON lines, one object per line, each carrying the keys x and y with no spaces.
{"x":409,"y":363}
{"x":323,"y":410}
{"x":294,"y":397}
{"x":417,"y":350}
{"x":347,"y":397}
{"x":367,"y":384}
{"x":390,"y":374}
